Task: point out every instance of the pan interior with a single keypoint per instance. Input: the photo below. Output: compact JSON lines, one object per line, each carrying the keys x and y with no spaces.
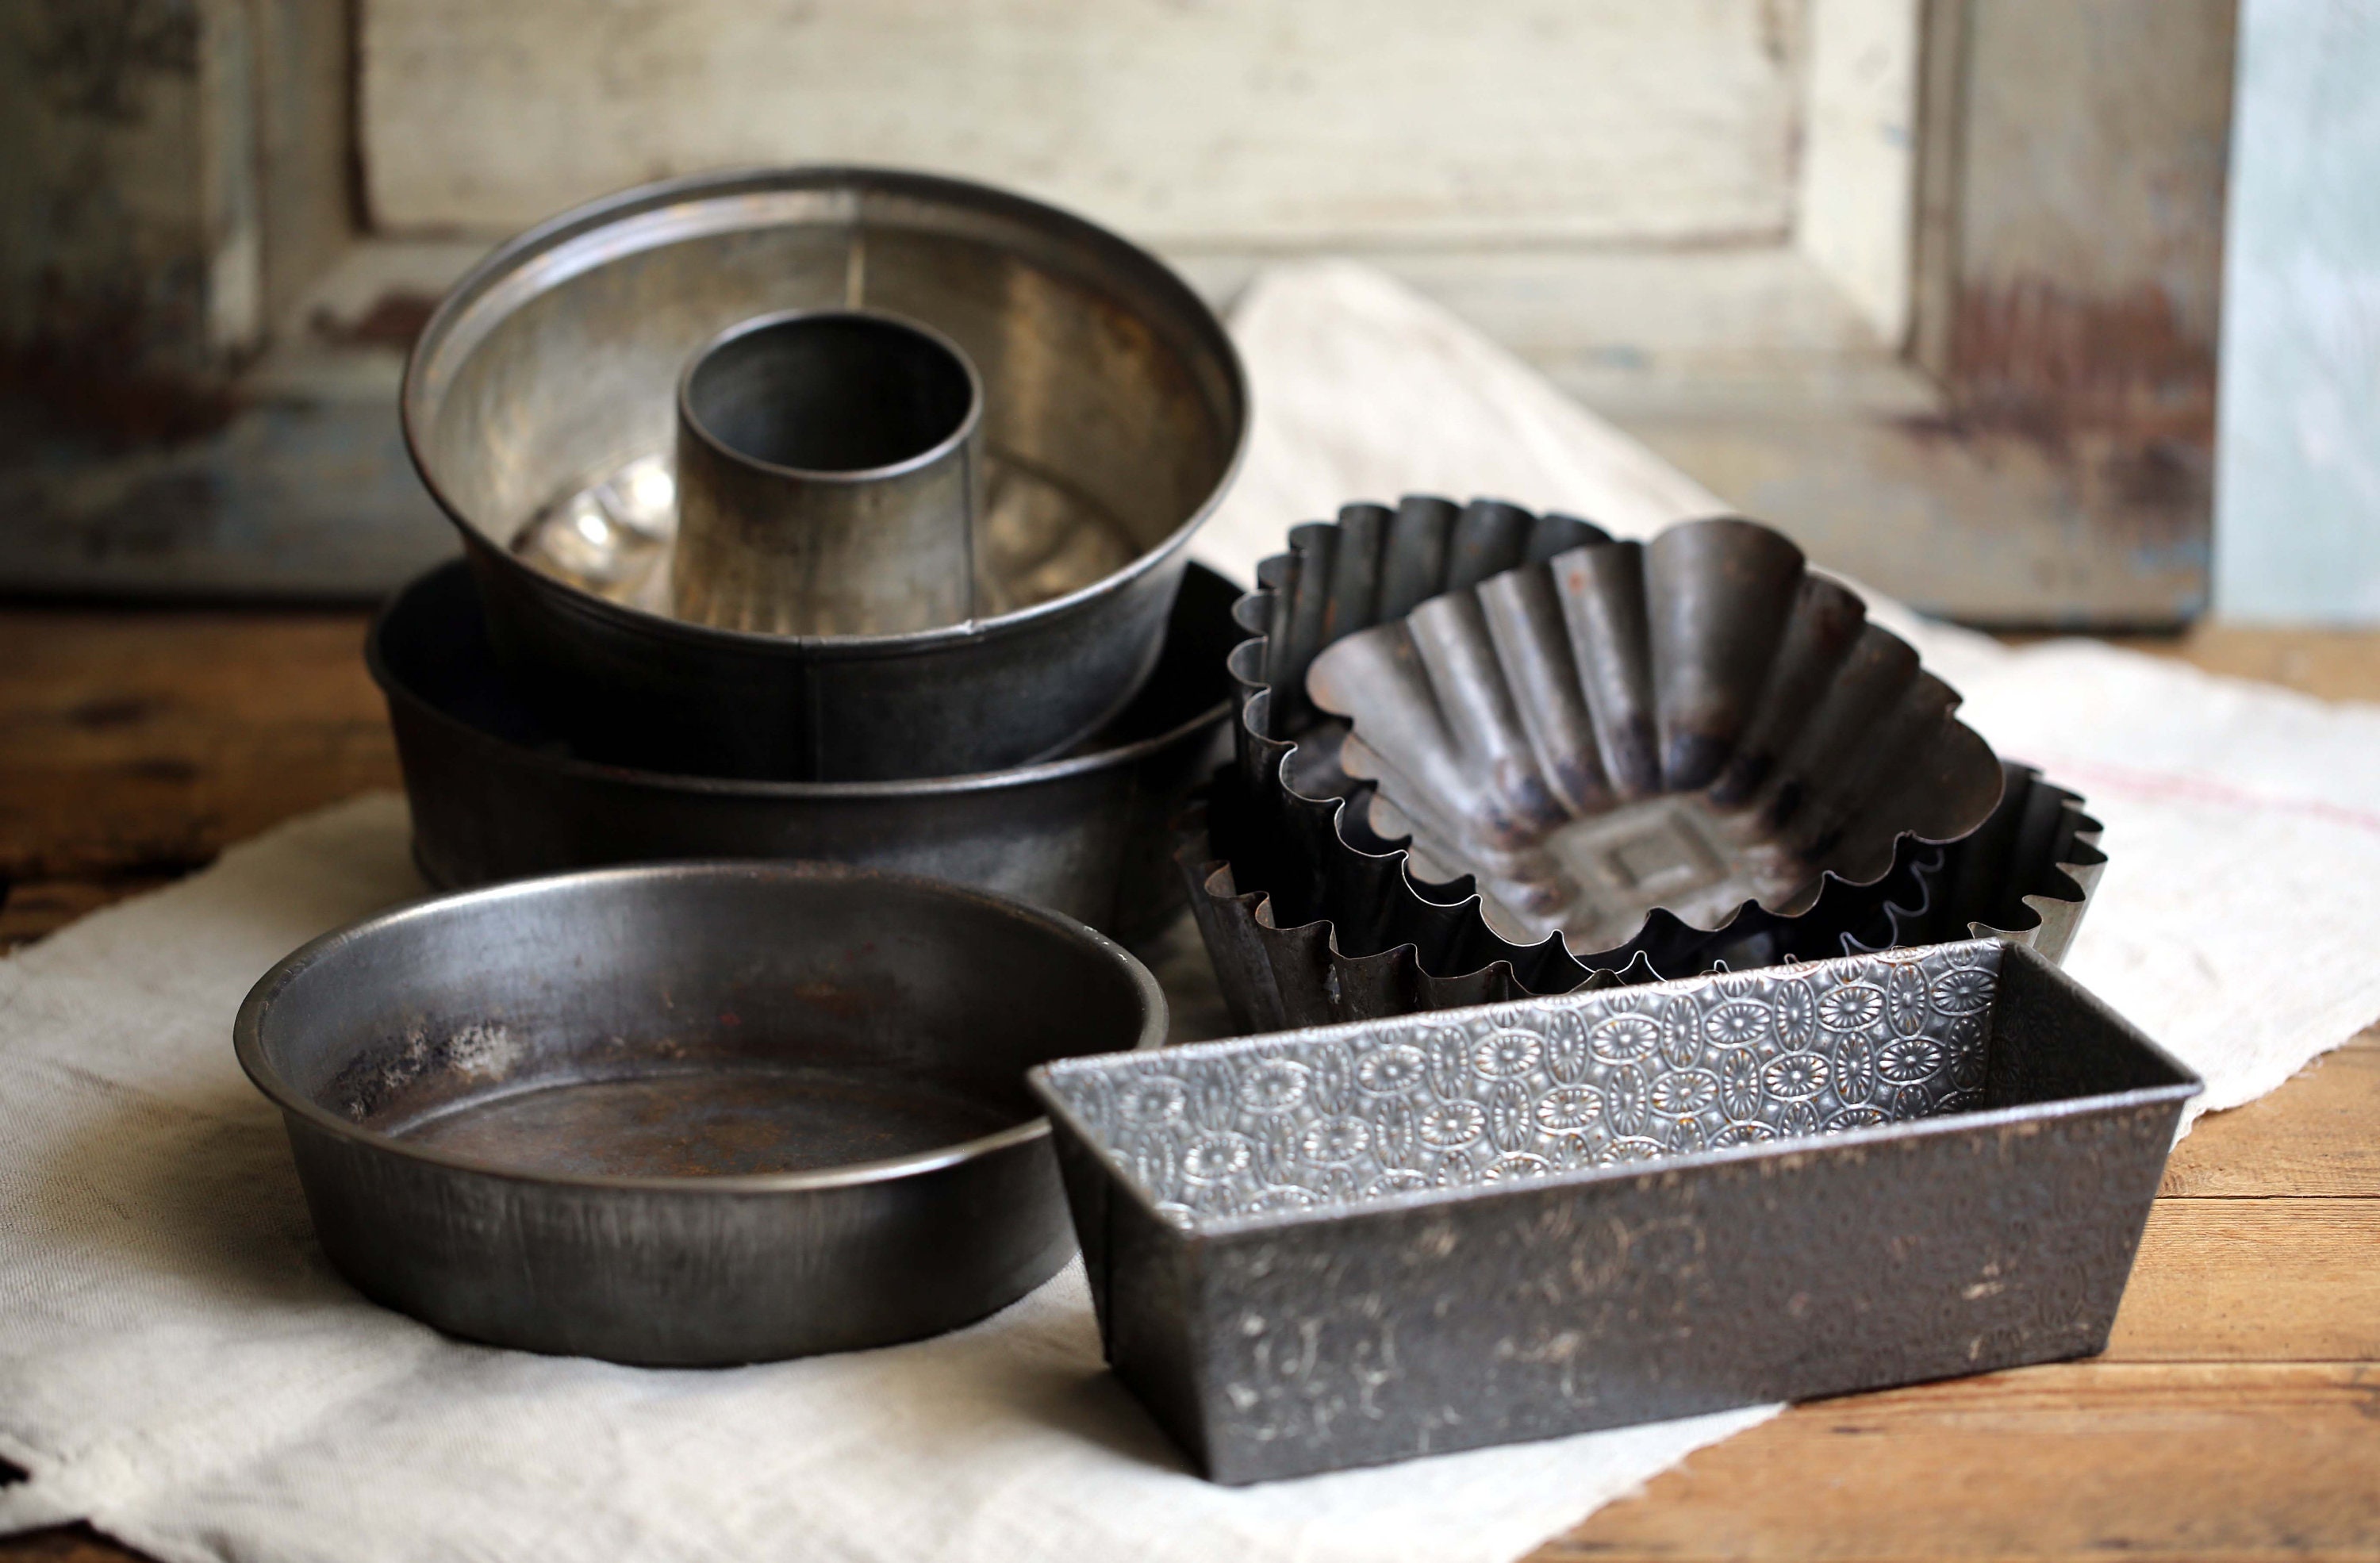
{"x":1347,"y":1117}
{"x":694,"y":1021}
{"x":662,"y":1120}
{"x":544,"y":410}
{"x":1675,"y":853}
{"x":829,"y":393}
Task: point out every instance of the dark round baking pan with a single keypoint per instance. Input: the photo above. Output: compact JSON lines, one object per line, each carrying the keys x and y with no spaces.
{"x":496,"y":795}
{"x":689,"y":1114}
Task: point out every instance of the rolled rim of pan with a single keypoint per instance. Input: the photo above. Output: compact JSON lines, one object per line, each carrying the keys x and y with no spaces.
{"x":256,"y":1014}
{"x":396,"y":688}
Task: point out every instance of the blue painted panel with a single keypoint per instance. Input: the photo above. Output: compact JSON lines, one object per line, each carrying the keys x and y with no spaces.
{"x":2297,"y":498}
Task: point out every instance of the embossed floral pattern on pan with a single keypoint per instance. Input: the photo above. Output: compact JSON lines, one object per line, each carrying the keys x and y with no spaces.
{"x":1461,"y":1099}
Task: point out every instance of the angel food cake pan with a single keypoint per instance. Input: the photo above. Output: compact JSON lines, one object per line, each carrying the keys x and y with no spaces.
{"x":1359,"y":1243}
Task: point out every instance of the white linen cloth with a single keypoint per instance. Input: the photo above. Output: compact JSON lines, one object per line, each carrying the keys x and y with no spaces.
{"x":178,"y":1364}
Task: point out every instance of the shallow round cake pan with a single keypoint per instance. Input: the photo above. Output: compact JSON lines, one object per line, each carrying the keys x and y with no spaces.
{"x":540,"y":406}
{"x":689,"y":1114}
{"x":495,"y":796}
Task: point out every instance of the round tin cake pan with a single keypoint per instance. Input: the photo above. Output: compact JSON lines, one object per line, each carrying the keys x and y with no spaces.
{"x":1114,"y":412}
{"x":495,"y":797}
{"x":689,"y":1114}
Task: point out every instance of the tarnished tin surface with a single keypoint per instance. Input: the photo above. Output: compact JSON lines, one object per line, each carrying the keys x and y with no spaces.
{"x":616,"y":535}
{"x":829,"y":469}
{"x":496,"y":795}
{"x":1113,"y":413}
{"x":1359,"y":1243}
{"x":1689,"y":724}
{"x":693,"y":1113}
{"x":1312,"y":915}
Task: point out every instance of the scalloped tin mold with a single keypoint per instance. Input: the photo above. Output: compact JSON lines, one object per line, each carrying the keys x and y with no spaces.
{"x":1311,"y":915}
{"x":1688,"y":725}
{"x":1360,"y":1243}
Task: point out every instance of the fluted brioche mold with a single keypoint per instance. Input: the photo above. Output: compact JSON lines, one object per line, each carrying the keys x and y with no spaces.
{"x":1687,"y":725}
{"x":1312,"y":913}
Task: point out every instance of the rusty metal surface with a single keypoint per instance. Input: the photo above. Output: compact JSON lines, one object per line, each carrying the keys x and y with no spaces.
{"x":1104,"y":378}
{"x":496,"y":795}
{"x":690,"y":1114}
{"x":1312,"y":915}
{"x":829,"y":470}
{"x":1360,"y":1243}
{"x":1690,"y":724}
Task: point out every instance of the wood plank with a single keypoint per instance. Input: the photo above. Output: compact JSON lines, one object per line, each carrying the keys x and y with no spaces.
{"x":2166,"y":1462}
{"x":132,"y":261}
{"x":1854,"y":216}
{"x":305,"y":142}
{"x":1736,"y":328}
{"x":37,"y":908}
{"x":2068,"y":269}
{"x":2319,"y":1136}
{"x":2336,"y":664}
{"x":1973,"y":521}
{"x":1330,"y":121}
{"x":1746,"y":323}
{"x":143,"y":743}
{"x":2267,"y":1281}
{"x":2092,"y":165}
{"x":66,"y":1543}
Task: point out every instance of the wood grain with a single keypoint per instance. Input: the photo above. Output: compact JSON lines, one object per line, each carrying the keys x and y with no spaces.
{"x":2254,"y":1279}
{"x":1321,"y":122}
{"x":35,"y":908}
{"x":134,"y":744}
{"x":2317,"y":1135}
{"x":65,"y":1544}
{"x":2241,"y":1460}
{"x":2337,"y":664}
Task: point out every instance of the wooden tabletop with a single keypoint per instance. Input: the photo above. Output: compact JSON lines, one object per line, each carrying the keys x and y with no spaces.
{"x":2236,"y":1413}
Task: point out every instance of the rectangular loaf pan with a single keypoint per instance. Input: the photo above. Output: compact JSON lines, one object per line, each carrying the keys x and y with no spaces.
{"x":1359,"y":1243}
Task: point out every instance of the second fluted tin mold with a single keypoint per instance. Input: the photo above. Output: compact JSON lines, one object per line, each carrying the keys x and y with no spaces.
{"x":1314,"y":910}
{"x":1689,"y":724}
